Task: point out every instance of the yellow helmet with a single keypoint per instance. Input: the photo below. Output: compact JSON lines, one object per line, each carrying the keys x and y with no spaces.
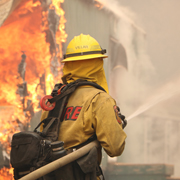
{"x":83,"y":47}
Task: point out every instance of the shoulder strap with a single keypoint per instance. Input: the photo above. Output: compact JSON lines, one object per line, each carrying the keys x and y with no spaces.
{"x":71,"y":87}
{"x":47,"y":127}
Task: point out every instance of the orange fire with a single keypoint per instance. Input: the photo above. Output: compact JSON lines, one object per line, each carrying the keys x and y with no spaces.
{"x":6,"y":174}
{"x":26,"y":62}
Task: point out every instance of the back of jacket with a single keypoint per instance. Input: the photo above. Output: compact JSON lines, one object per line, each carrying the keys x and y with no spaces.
{"x":90,"y":111}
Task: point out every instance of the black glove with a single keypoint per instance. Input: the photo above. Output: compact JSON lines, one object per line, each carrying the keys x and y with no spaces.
{"x":124,"y":121}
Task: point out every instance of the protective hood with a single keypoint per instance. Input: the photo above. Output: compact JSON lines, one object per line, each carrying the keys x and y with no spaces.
{"x":90,"y":70}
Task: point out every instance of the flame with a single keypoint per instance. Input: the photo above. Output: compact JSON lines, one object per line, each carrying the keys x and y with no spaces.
{"x":6,"y":174}
{"x":25,"y":45}
{"x":61,"y":34}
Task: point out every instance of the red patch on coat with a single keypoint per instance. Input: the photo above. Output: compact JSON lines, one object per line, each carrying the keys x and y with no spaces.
{"x":116,"y":114}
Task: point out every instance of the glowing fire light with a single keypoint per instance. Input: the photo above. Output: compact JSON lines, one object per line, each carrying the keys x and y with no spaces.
{"x":61,"y":34}
{"x":6,"y":174}
{"x":24,"y":42}
{"x":99,"y":4}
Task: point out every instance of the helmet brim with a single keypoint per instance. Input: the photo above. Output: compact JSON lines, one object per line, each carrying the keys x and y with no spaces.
{"x":84,"y":57}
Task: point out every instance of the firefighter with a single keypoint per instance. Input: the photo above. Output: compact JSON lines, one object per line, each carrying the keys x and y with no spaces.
{"x":90,"y":112}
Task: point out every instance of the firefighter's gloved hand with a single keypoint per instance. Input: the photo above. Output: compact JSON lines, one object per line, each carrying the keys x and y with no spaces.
{"x":123,"y":118}
{"x":124,"y":121}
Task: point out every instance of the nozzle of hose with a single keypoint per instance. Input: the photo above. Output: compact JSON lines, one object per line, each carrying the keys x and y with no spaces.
{"x":123,"y":118}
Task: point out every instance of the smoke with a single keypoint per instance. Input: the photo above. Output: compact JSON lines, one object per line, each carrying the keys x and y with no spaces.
{"x":167,"y":91}
{"x":130,"y":87}
{"x":152,"y":100}
{"x":122,"y":12}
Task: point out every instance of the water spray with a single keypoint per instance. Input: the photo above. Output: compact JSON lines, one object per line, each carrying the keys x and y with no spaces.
{"x":164,"y":93}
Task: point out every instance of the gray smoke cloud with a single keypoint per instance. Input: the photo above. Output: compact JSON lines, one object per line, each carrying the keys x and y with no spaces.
{"x":149,"y":91}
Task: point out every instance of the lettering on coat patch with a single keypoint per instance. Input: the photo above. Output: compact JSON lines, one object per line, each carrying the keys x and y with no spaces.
{"x":72,"y":113}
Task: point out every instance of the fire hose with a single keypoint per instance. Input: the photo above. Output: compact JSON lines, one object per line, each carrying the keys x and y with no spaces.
{"x":60,"y":162}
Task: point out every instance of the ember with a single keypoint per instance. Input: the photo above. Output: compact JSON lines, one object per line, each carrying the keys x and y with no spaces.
{"x":98,"y":4}
{"x":30,"y":61}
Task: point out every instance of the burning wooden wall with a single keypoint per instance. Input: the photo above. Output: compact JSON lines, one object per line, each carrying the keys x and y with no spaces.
{"x":30,"y":60}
